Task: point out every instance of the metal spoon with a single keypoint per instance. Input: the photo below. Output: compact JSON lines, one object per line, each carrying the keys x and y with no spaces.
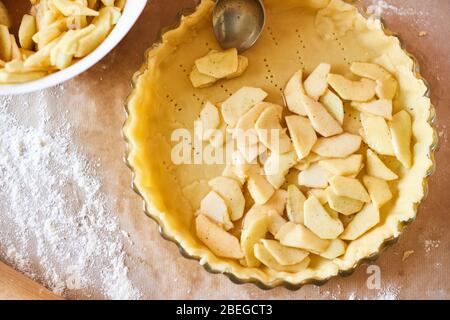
{"x":238,"y":23}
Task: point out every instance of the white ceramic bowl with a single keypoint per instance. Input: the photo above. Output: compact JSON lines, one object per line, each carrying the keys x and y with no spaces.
{"x":131,"y":13}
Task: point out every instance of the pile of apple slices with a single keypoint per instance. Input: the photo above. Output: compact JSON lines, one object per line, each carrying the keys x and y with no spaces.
{"x":217,"y":65}
{"x":316,"y":187}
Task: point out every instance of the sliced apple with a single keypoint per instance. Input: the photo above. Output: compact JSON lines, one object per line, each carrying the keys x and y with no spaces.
{"x":316,"y":84}
{"x":268,"y":260}
{"x":275,"y":222}
{"x":314,"y":177}
{"x":379,"y":190}
{"x":320,"y":194}
{"x":240,"y":102}
{"x":302,"y":134}
{"x":350,"y":188}
{"x":386,"y":83}
{"x":341,"y":146}
{"x":218,"y":64}
{"x":343,"y":167}
{"x":271,"y":133}
{"x":386,"y":88}
{"x":381,"y":108}
{"x":242,"y":66}
{"x":365,"y":220}
{"x":277,"y":166}
{"x":377,"y":168}
{"x":335,"y":249}
{"x":334,"y":105}
{"x":362,"y":90}
{"x":293,"y":94}
{"x":295,"y":204}
{"x":220,"y":242}
{"x":401,"y":132}
{"x":320,"y":119}
{"x":231,"y":172}
{"x":255,"y":231}
{"x":278,"y":202}
{"x":245,"y":132}
{"x":306,"y":162}
{"x":376,"y":132}
{"x":231,"y":192}
{"x":319,"y":221}
{"x":298,"y":236}
{"x":209,"y":120}
{"x":284,"y":255}
{"x":343,"y":205}
{"x":260,"y":189}
{"x":215,"y":208}
{"x":200,"y":80}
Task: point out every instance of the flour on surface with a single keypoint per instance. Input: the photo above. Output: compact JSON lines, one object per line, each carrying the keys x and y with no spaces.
{"x":431,"y":244}
{"x":379,"y":7}
{"x":57,"y":227}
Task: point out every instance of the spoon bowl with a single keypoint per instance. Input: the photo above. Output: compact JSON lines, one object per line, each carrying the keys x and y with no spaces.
{"x":238,"y":23}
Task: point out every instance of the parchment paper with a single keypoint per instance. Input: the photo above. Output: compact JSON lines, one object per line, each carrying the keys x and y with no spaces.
{"x":94,"y":102}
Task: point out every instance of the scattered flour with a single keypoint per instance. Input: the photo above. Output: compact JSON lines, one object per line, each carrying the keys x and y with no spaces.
{"x":431,"y":244}
{"x":379,"y":7}
{"x":55,"y":221}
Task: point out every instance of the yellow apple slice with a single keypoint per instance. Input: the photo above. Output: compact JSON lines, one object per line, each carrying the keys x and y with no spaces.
{"x":200,"y":80}
{"x":343,"y":205}
{"x":320,"y":194}
{"x":240,"y":102}
{"x":293,"y":94}
{"x":242,"y":66}
{"x":320,"y":119}
{"x":316,"y":84}
{"x":218,"y":64}
{"x":215,"y":208}
{"x":350,"y":188}
{"x":298,"y":236}
{"x":365,"y":220}
{"x":401,"y":132}
{"x":362,"y":90}
{"x":381,"y":108}
{"x":275,"y":222}
{"x":269,"y":261}
{"x":284,"y":255}
{"x":334,"y":105}
{"x":209,"y":121}
{"x":314,"y":177}
{"x":231,"y":192}
{"x":259,"y":188}
{"x":343,"y":167}
{"x":335,"y":249}
{"x":271,"y":133}
{"x":386,"y":88}
{"x":378,"y":190}
{"x":255,"y":231}
{"x":277,"y":166}
{"x":319,"y":221}
{"x":386,"y":83}
{"x":376,"y":168}
{"x":230,"y":171}
{"x":376,"y":132}
{"x":294,"y":204}
{"x":220,"y":242}
{"x":278,"y":202}
{"x":306,"y":162}
{"x":302,"y":134}
{"x":341,"y":146}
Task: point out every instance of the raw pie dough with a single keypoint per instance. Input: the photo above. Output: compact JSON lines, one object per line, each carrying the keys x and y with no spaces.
{"x":300,"y":34}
